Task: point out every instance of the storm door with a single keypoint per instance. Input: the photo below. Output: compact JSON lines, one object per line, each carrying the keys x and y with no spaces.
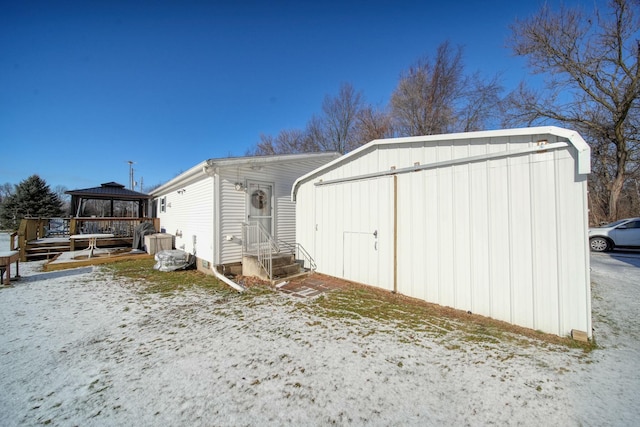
{"x":260,"y":200}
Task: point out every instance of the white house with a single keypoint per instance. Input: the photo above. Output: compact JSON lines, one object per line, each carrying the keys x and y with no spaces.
{"x":205,"y":207}
{"x":491,"y":222}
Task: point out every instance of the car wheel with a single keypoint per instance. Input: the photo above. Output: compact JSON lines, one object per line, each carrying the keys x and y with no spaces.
{"x":599,"y":244}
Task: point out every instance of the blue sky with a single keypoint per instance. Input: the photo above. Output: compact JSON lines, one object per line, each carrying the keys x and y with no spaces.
{"x":87,"y":86}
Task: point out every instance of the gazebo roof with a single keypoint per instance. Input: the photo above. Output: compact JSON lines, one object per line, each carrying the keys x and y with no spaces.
{"x":109,"y":190}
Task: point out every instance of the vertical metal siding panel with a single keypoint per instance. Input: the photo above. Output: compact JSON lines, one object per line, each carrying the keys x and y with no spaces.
{"x":386,"y":237}
{"x":499,"y":242}
{"x":406,"y":212}
{"x":461,"y":234}
{"x":431,"y":263}
{"x":479,"y":238}
{"x":545,"y":256}
{"x":352,"y":197}
{"x":340,"y":191}
{"x":521,"y":279}
{"x":333,"y":236}
{"x":575,"y":294}
{"x":572,"y":226}
{"x":420,"y":233}
{"x":356,"y":240}
{"x":445,"y":229}
{"x":324,"y":232}
{"x":413,"y":237}
{"x":345,"y":195}
{"x":331,"y":245}
{"x":313,"y":197}
{"x":478,"y":229}
{"x":305,"y":217}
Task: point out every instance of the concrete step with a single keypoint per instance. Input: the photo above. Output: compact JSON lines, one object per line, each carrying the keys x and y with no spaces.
{"x":286,"y":270}
{"x":280,"y":260}
{"x":282,"y":280}
{"x":283,"y":265}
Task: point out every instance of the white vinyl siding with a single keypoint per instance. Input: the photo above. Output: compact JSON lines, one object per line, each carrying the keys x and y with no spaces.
{"x":212,"y":209}
{"x":188,"y":215}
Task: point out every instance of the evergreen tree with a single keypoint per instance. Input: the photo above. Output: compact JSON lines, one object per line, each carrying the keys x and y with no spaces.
{"x":32,"y":198}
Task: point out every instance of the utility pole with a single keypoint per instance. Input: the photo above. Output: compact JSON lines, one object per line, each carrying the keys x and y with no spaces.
{"x":131,"y":182}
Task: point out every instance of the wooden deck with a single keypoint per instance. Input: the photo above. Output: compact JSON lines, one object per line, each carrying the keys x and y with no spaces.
{"x":67,"y":260}
{"x":47,"y":238}
{"x":50,"y":247}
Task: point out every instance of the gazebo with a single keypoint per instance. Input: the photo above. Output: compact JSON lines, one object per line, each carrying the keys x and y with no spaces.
{"x":111,"y":191}
{"x":121,"y":224}
{"x":46,"y":237}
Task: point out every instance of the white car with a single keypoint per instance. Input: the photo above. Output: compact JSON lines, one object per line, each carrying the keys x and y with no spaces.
{"x":624,"y":233}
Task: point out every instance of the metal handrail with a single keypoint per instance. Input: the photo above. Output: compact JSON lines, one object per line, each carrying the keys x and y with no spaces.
{"x":300,"y":252}
{"x":258,"y":242}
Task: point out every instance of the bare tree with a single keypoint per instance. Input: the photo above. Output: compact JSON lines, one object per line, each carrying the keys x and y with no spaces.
{"x":372,"y":124}
{"x":6,"y":190}
{"x":335,"y":129}
{"x":60,"y":191}
{"x":481,"y":103}
{"x":287,"y":142}
{"x":592,"y":84}
{"x":424,"y":101}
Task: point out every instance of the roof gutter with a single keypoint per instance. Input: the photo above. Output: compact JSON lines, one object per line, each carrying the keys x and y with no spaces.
{"x":180,"y":180}
{"x":212,"y":167}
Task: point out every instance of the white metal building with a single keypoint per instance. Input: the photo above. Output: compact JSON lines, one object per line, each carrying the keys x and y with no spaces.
{"x":204,"y":207}
{"x":491,"y":222}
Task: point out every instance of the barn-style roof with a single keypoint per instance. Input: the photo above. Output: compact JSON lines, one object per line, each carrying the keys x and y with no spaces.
{"x":570,"y":137}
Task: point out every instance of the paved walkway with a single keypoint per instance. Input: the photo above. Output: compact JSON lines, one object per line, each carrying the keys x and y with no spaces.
{"x":311,"y":286}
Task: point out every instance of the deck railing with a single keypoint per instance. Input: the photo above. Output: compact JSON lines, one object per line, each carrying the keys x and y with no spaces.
{"x":40,"y":228}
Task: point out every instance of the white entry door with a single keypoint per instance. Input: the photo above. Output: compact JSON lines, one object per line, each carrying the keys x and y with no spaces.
{"x":260,"y":204}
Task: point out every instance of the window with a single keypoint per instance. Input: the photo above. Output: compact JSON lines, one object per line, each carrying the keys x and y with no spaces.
{"x":163,"y":204}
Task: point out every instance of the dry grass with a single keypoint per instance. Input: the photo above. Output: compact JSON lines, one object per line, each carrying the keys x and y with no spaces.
{"x":358,"y":301}
{"x":350,"y":302}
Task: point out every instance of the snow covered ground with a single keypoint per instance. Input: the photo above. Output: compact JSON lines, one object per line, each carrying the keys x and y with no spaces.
{"x":78,"y":347}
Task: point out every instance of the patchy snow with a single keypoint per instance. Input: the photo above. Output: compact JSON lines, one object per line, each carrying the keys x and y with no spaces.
{"x":80,"y":348}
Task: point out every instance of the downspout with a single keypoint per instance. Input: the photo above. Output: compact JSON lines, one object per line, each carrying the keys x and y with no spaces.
{"x":228,"y":281}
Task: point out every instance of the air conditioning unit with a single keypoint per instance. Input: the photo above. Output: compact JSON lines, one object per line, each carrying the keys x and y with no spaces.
{"x":158,"y":242}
